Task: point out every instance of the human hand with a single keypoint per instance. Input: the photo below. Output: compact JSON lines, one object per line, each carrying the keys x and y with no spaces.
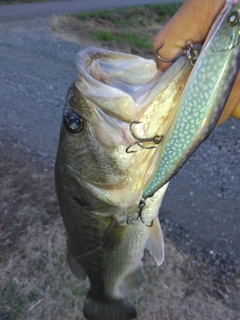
{"x":192,"y":23}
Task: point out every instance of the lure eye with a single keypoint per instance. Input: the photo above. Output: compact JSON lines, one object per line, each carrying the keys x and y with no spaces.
{"x":73,"y":122}
{"x":233,"y":19}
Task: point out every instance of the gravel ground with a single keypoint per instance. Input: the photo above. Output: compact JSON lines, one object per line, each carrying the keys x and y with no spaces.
{"x":36,"y":71}
{"x":201,"y":210}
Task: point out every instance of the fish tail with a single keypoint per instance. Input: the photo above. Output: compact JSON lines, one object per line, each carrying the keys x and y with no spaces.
{"x":107,"y":308}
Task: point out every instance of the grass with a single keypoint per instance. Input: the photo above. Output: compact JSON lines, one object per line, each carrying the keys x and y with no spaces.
{"x":141,"y":16}
{"x":124,"y":37}
{"x":104,"y":35}
{"x":37,"y":284}
{"x":163,"y":12}
{"x":130,"y":30}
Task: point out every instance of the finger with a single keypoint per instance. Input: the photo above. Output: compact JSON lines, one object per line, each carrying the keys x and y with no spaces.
{"x":236,"y":111}
{"x":232,"y":106}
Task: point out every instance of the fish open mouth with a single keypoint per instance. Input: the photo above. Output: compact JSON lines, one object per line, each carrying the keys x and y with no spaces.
{"x":131,"y":88}
{"x":135,"y":101}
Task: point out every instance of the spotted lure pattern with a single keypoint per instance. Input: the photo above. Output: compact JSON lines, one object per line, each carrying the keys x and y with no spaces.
{"x":203,"y":98}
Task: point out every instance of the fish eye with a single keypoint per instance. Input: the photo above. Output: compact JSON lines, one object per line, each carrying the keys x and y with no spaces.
{"x":73,"y":122}
{"x":233,"y":19}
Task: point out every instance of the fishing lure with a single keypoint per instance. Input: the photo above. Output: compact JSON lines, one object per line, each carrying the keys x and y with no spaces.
{"x":203,"y":99}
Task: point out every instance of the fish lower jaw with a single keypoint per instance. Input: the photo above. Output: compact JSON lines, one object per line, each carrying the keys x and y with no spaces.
{"x":120,"y":195}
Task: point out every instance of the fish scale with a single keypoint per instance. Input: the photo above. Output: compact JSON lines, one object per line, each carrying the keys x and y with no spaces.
{"x":200,"y":107}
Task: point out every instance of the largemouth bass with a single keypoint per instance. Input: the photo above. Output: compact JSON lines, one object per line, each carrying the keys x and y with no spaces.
{"x":116,"y":99}
{"x":99,"y":184}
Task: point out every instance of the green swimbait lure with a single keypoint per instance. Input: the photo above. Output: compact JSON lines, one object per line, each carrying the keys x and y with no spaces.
{"x":203,"y":98}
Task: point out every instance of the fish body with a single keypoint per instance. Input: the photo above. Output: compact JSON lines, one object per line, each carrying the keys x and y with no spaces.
{"x":99,"y":185}
{"x":203,"y":99}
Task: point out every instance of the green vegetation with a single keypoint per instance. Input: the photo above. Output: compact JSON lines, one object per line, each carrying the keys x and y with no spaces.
{"x":104,"y":35}
{"x":123,"y":37}
{"x":126,"y":16}
{"x":163,"y":11}
{"x":127,"y":29}
{"x":13,"y":298}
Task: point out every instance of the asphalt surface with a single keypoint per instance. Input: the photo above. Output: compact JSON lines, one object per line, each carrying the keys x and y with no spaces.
{"x":201,"y":210}
{"x":33,"y":10}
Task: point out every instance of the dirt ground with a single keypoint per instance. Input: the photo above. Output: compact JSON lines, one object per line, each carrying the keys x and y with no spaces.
{"x":37,"y":284}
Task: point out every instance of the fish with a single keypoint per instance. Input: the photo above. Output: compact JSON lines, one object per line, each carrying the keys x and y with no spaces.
{"x":99,"y":184}
{"x":120,"y":122}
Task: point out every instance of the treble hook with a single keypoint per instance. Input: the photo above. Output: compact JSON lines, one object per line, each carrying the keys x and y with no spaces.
{"x":190,"y":52}
{"x":141,"y":205}
{"x":156,"y":139}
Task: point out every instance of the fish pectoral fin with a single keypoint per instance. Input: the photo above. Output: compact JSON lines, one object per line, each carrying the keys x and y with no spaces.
{"x":155,"y":242}
{"x":75,"y":266}
{"x":104,"y":307}
{"x":134,"y":278}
